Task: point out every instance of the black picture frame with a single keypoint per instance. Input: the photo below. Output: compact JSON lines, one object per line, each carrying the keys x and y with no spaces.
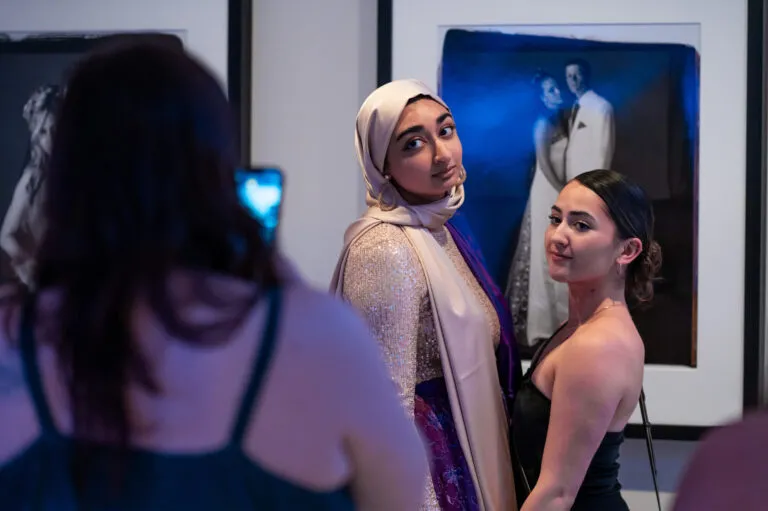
{"x":239,"y":71}
{"x":57,"y":51}
{"x":239,"y":42}
{"x":754,"y":206}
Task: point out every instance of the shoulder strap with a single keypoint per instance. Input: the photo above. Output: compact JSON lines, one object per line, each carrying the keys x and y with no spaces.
{"x":649,"y":444}
{"x":539,"y":353}
{"x":31,"y":369}
{"x":263,"y":359}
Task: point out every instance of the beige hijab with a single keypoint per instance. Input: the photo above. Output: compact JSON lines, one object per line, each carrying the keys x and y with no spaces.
{"x":467,"y":355}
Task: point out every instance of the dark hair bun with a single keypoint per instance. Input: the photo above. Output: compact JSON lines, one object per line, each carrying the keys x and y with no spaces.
{"x":643,"y":272}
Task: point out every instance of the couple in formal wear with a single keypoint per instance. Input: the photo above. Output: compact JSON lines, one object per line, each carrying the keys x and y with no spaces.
{"x":411,"y":267}
{"x":568,"y":142}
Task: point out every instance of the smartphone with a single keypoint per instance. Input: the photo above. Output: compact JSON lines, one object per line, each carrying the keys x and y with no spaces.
{"x":260,"y":190}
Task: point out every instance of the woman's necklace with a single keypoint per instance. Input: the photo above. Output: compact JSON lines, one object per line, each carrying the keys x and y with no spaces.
{"x":613,"y":303}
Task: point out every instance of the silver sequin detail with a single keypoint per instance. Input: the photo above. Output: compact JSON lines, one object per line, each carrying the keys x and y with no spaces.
{"x":384,"y":281}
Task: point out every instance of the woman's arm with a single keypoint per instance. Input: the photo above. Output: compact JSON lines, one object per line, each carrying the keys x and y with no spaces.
{"x":541,"y":138}
{"x":586,"y":393}
{"x":389,"y":461}
{"x":384,"y":281}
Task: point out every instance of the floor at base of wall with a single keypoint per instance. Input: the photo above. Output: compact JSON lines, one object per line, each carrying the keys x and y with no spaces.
{"x":646,"y":500}
{"x":672,"y":456}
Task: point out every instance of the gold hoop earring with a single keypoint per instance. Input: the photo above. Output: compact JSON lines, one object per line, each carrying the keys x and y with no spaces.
{"x":462,"y":175}
{"x":384,"y":206}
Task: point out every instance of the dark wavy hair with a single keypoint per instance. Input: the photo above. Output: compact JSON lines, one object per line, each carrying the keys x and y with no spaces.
{"x":632,"y":213}
{"x":140,"y":181}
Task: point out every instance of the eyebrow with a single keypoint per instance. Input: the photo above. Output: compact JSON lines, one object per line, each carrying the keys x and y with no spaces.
{"x":418,"y":127}
{"x":573,"y":213}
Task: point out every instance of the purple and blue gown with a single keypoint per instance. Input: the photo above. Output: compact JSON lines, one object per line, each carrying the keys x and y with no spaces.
{"x":384,"y":280}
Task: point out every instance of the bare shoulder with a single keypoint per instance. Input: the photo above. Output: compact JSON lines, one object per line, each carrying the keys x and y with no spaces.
{"x":608,"y":350}
{"x":316,"y":321}
{"x":609,"y":340}
{"x":327,"y":343}
{"x":541,"y":126}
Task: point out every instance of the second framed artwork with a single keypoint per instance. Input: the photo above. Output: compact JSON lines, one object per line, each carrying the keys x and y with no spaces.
{"x":616,"y":87}
{"x":37,"y":55}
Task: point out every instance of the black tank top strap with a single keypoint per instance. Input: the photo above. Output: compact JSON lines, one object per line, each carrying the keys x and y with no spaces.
{"x":262,"y":364}
{"x":31,"y":369}
{"x":539,"y":353}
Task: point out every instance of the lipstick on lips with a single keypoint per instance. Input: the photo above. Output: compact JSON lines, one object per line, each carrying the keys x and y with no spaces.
{"x":559,"y":257}
{"x":445,"y":174}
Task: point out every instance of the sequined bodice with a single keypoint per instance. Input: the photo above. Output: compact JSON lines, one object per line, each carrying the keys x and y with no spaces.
{"x":385,"y":281}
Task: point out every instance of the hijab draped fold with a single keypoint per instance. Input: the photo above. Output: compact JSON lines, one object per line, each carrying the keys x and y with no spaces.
{"x":467,"y":354}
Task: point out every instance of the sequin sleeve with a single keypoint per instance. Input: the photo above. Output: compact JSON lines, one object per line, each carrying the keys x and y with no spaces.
{"x":384,"y":281}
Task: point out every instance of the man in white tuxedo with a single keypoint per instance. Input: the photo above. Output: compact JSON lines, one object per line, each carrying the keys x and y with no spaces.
{"x":590,"y":125}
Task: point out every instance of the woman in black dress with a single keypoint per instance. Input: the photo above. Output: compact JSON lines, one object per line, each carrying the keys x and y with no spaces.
{"x":585,"y":381}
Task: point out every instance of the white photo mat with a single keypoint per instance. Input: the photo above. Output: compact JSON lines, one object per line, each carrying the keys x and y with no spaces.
{"x":712,"y":392}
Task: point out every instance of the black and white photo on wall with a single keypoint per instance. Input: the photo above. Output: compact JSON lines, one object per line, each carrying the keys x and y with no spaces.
{"x":537,"y":109}
{"x":540,"y":94}
{"x":34,"y":67}
{"x":33,"y":76}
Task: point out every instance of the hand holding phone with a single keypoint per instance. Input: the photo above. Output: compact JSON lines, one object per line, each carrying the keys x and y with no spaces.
{"x":261,"y":192}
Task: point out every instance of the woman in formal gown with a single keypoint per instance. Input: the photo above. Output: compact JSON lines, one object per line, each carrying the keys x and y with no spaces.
{"x":420,"y":281}
{"x":585,"y":380}
{"x":538,"y":303}
{"x":23,"y":224}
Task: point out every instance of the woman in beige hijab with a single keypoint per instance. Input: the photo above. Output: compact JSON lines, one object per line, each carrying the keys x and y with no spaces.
{"x":419,"y":279}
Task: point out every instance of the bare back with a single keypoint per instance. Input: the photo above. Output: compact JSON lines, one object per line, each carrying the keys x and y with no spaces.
{"x":327,"y":415}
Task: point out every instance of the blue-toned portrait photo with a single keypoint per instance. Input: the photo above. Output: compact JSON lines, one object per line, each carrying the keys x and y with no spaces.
{"x":536,"y":110}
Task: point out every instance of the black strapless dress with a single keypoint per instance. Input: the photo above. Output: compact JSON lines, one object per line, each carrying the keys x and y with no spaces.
{"x":600,"y":490}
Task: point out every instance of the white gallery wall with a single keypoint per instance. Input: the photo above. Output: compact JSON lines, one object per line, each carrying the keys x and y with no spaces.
{"x":313,"y":65}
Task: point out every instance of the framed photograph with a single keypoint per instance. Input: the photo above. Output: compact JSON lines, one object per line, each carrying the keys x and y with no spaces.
{"x":36,"y":58}
{"x":544,"y":92}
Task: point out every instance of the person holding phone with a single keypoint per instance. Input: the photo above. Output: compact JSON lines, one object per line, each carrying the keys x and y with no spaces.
{"x":411,"y":268}
{"x":166,"y":359}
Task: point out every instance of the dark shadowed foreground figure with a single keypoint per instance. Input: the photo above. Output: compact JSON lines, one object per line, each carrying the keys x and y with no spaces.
{"x":169,"y":359}
{"x":728,"y":469}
